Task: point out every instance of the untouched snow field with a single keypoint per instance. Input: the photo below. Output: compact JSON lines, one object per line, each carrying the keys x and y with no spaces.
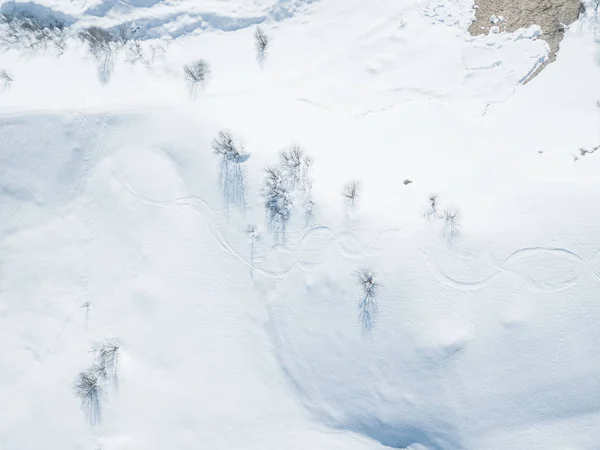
{"x":113,"y":226}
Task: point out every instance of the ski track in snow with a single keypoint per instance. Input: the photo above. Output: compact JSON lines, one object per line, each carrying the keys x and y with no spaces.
{"x":530,"y":281}
{"x":351,"y":247}
{"x":347,"y":242}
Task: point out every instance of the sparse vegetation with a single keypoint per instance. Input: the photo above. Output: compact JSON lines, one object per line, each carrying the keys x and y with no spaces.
{"x":26,"y":31}
{"x":102,"y":44}
{"x":367,"y":306}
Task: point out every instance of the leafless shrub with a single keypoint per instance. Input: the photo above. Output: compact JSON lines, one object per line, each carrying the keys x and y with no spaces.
{"x":102,"y":45}
{"x":261,"y":42}
{"x":451,"y":227}
{"x":197,"y":73}
{"x":432,"y":209}
{"x":137,"y":51}
{"x":26,"y":31}
{"x":367,"y":306}
{"x":350,"y":193}
{"x":6,"y":79}
{"x":231,"y":174}
{"x":88,"y":387}
{"x":449,"y":218}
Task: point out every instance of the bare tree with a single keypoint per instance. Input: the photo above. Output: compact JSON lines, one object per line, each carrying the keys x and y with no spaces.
{"x":107,"y":358}
{"x":197,"y":73}
{"x":367,"y":306}
{"x":350,"y":192}
{"x":88,"y":387}
{"x":231,"y":174}
{"x":288,"y":183}
{"x":102,"y":44}
{"x":295,"y":165}
{"x":278,"y":202}
{"x":261,"y":42}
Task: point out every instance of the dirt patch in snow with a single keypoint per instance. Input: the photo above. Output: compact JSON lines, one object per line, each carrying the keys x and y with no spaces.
{"x":509,"y":15}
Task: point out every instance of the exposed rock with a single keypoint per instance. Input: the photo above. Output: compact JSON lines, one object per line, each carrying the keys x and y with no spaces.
{"x":510,"y":15}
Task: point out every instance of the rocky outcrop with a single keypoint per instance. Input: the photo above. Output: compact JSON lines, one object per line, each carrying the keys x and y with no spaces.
{"x":509,"y":15}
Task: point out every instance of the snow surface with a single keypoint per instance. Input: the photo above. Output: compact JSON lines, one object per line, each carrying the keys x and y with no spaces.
{"x":112,"y":226}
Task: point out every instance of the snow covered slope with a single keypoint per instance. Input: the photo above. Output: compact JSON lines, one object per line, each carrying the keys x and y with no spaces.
{"x":114,"y":230}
